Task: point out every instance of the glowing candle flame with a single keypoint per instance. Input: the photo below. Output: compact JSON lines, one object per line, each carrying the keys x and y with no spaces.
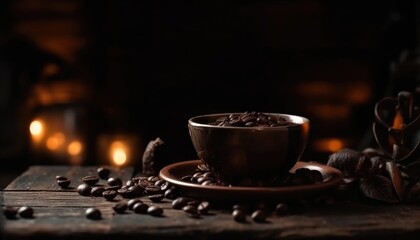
{"x":118,"y":153}
{"x":36,"y":129}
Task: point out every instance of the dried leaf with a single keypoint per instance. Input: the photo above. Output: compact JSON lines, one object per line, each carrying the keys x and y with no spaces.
{"x":379,"y":188}
{"x":396,"y":179}
{"x":345,"y":160}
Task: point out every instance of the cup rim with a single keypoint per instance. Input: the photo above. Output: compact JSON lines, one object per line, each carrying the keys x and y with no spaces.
{"x":298,"y":120}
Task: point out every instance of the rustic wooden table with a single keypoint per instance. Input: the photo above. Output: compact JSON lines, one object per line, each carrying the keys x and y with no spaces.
{"x":60,"y":213}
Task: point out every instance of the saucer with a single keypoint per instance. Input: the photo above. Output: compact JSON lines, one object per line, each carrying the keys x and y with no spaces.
{"x":173,"y":173}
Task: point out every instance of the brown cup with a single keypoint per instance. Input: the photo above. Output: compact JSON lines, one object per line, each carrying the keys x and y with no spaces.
{"x":248,"y":156}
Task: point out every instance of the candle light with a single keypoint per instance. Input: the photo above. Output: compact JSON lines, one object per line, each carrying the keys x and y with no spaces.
{"x":56,"y":137}
{"x":118,"y":152}
{"x":36,"y":129}
{"x":118,"y":149}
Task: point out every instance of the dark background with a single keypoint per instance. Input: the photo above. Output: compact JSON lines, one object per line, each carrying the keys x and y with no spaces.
{"x":145,"y":67}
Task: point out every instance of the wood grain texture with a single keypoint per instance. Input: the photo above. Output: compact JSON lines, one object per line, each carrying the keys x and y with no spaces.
{"x":60,"y":214}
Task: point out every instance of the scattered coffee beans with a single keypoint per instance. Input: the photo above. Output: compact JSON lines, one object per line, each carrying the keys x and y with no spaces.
{"x":203,"y":207}
{"x":93,"y":213}
{"x":84,"y":189}
{"x":259,"y":216}
{"x":132,"y":202}
{"x":97,"y":191}
{"x":109,"y":194}
{"x":103,"y":172}
{"x":280,"y":209}
{"x":114,"y":181}
{"x":63,"y":182}
{"x":26,"y":212}
{"x":140,"y":207}
{"x":120,"y":207}
{"x":191,"y":211}
{"x":90,"y":180}
{"x":10,"y":212}
{"x":155,"y":211}
{"x":239,"y":215}
{"x":156,"y":197}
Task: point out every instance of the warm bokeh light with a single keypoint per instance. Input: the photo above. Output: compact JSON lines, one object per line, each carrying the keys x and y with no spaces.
{"x":55,"y":141}
{"x":329,"y":144}
{"x":330,"y":111}
{"x":36,"y":128}
{"x":75,"y":148}
{"x":118,"y":152}
{"x":119,"y":157}
{"x":398,"y":120}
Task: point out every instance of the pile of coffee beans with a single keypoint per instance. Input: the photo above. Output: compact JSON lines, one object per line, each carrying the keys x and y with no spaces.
{"x":301,"y":176}
{"x":152,"y":187}
{"x":252,"y":119}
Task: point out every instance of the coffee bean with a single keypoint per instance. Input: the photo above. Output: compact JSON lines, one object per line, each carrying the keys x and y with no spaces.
{"x":109,"y":194}
{"x":120,"y":207}
{"x":97,"y":191}
{"x":103,"y":172}
{"x":93,"y":213}
{"x":144,"y":183}
{"x":10,"y":212}
{"x":191,"y":211}
{"x":140,"y":207}
{"x":84,"y":189}
{"x":113,"y":188}
{"x":59,"y":177}
{"x":258,"y":216}
{"x":152,"y":189}
{"x":156,"y":197}
{"x":180,"y":202}
{"x":130,"y":183}
{"x":63,"y":183}
{"x":160,"y":182}
{"x":153,"y":179}
{"x":280,"y":209}
{"x":124,"y":192}
{"x":114,"y":181}
{"x":26,"y":212}
{"x":239,"y":215}
{"x":155,"y":211}
{"x":90,"y":180}
{"x":187,"y":178}
{"x":136,"y":191}
{"x":172,"y":193}
{"x":203,"y":207}
{"x":132,"y":202}
{"x":245,"y":207}
{"x":165,"y":186}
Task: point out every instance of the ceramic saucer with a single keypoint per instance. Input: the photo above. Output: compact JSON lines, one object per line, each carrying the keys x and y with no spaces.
{"x":174,"y":172}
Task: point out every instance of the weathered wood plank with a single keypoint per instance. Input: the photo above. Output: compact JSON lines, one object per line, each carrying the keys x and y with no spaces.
{"x":60,"y":214}
{"x":43,"y":177}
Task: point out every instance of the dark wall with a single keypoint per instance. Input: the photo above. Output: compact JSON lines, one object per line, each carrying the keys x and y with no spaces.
{"x":151,"y":65}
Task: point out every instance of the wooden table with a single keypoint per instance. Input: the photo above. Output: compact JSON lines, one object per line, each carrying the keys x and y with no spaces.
{"x":60,"y":214}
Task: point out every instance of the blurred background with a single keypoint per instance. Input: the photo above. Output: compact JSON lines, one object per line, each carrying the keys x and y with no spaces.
{"x":92,"y":82}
